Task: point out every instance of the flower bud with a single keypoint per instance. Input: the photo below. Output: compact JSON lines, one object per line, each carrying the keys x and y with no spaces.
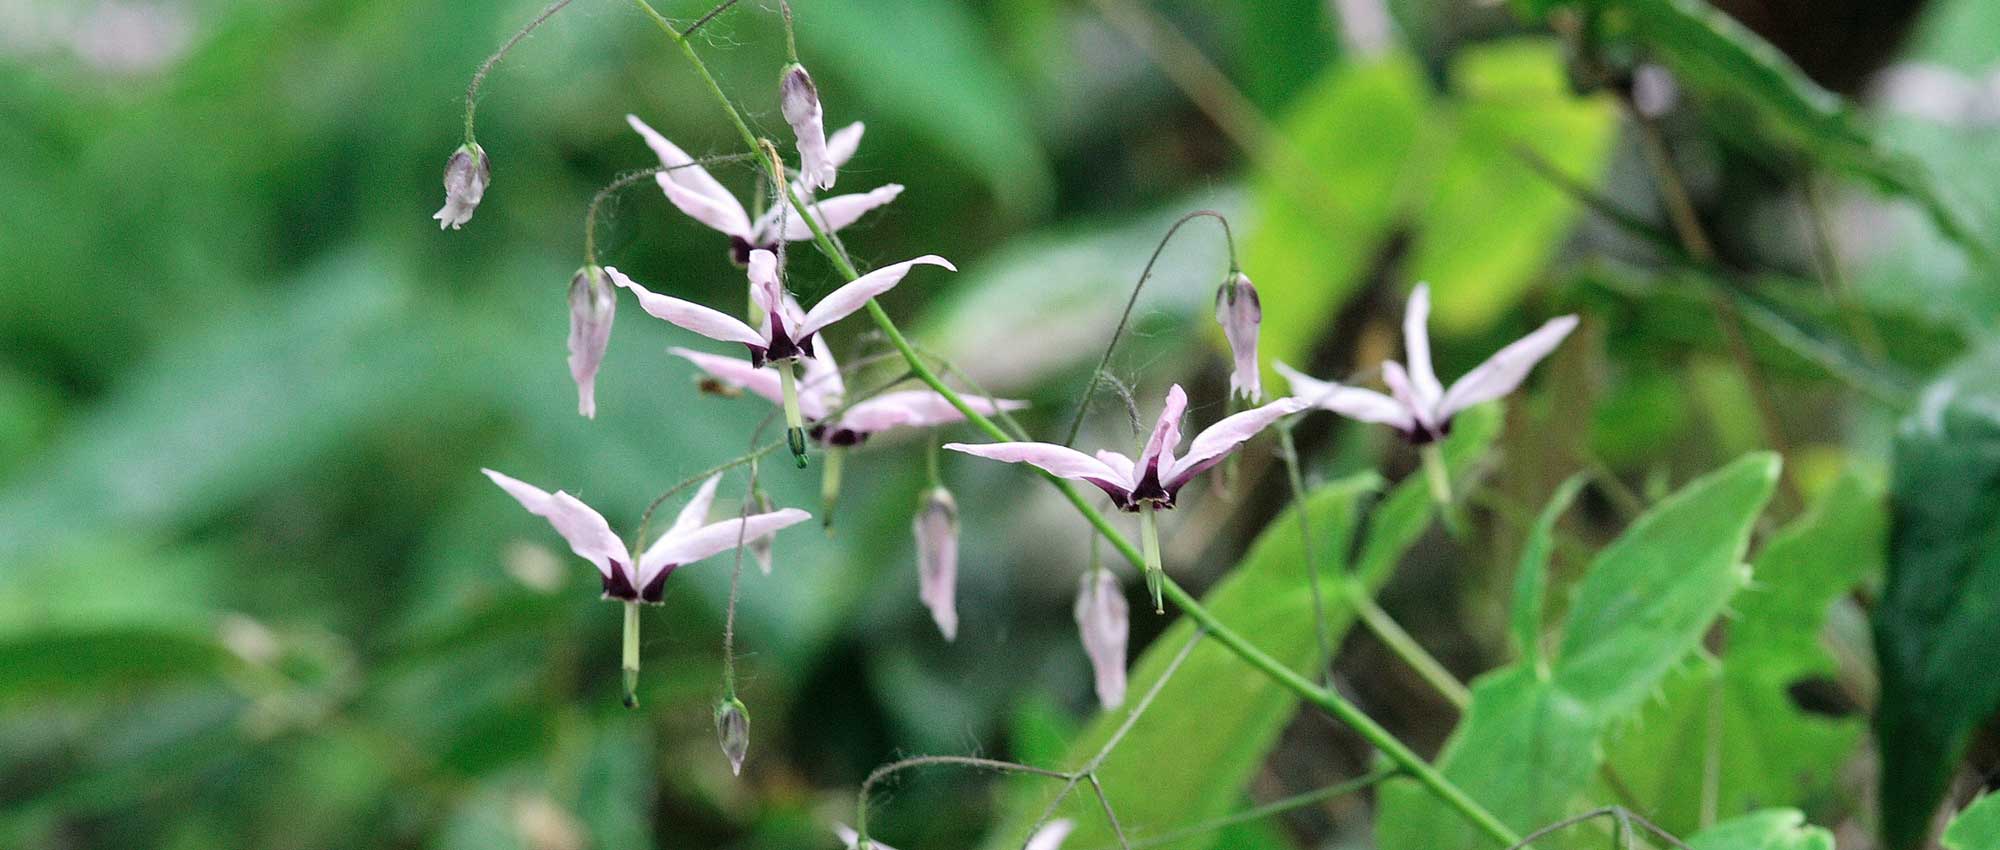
{"x":760,"y":546}
{"x":1240,"y":313}
{"x":732,"y":728}
{"x":936,"y":530}
{"x":799,"y":101}
{"x":592,"y":303}
{"x":1104,"y":621}
{"x":465,"y":177}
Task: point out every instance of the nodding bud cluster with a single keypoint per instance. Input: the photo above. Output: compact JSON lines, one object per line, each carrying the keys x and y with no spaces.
{"x":936,"y":530}
{"x":465,"y":177}
{"x":732,"y":729}
{"x":798,"y":99}
{"x":1103,"y":618}
{"x":1240,"y":314}
{"x":592,"y":304}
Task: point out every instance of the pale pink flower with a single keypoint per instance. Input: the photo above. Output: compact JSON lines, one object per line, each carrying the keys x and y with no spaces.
{"x":1156,"y":478}
{"x":695,"y":192}
{"x":1103,"y":619}
{"x":821,"y":393}
{"x":1240,"y":313}
{"x":798,"y":100}
{"x":592,"y":305}
{"x":642,"y":576}
{"x":1050,"y":837}
{"x":936,"y":530}
{"x":786,"y":331}
{"x":466,"y":175}
{"x":1417,"y":404}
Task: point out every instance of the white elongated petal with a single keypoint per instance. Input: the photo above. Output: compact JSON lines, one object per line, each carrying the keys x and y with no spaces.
{"x":588,"y":535}
{"x":1051,"y":837}
{"x":695,"y":513}
{"x":674,"y":550}
{"x":1216,"y":441}
{"x":1241,"y":314}
{"x":1417,"y":348}
{"x":1506,"y":369}
{"x":852,"y":839}
{"x":1060,"y":461}
{"x":1119,"y":464}
{"x":713,"y":324}
{"x":691,"y":187}
{"x":936,"y":530}
{"x":1166,"y":434}
{"x":842,"y":302}
{"x":735,"y":372}
{"x":840,"y":146}
{"x":832,"y":213}
{"x":1103,"y":620}
{"x":799,"y":102}
{"x":1424,"y":416}
{"x":916,"y":409}
{"x":593,"y":304}
{"x":1361,"y":405}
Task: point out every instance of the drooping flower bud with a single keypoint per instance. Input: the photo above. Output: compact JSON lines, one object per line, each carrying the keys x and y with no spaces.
{"x":799,"y":101}
{"x":760,"y":548}
{"x":592,"y":303}
{"x":1104,"y":620}
{"x":936,"y":530}
{"x":465,"y":177}
{"x":732,"y":728}
{"x":1240,"y":313}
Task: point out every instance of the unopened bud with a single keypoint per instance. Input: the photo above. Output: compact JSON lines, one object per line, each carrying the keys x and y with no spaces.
{"x":592,"y":304}
{"x":465,"y":177}
{"x":798,"y":99}
{"x":732,"y":728}
{"x":936,"y":530}
{"x":1104,"y":620}
{"x":1240,"y":313}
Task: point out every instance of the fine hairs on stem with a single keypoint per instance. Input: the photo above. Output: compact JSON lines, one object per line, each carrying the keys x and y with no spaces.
{"x":486,"y":67}
{"x":1132,"y":301}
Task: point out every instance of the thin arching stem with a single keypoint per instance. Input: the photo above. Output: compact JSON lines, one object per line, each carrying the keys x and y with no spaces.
{"x":1110,"y":817}
{"x":1132,"y":301}
{"x":639,"y":536}
{"x":486,"y":67}
{"x":1275,"y":807}
{"x":723,"y":7}
{"x":885,"y":771}
{"x":1323,"y":698}
{"x":626,"y":180}
{"x":1289,"y":450}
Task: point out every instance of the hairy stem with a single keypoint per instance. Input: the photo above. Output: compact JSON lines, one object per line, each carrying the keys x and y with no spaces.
{"x":486,"y":67}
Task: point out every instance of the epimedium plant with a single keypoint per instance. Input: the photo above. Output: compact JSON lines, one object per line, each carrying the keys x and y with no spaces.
{"x":1532,"y":737}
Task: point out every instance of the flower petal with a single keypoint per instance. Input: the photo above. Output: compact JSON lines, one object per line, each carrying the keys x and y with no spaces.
{"x":832,"y":213}
{"x":734,"y":372}
{"x":691,"y":187}
{"x":916,"y":409}
{"x":841,"y":145}
{"x":1051,"y":837}
{"x":765,"y":290}
{"x":841,"y":302}
{"x":1355,"y":403}
{"x":1166,"y":434}
{"x":674,"y":550}
{"x":1060,"y":461}
{"x":1216,"y":441}
{"x":695,"y":513}
{"x":1417,"y":348}
{"x":936,"y":530}
{"x":820,"y":381}
{"x":798,"y":101}
{"x":589,"y":536}
{"x":1506,"y":369}
{"x":1423,"y":416}
{"x":713,"y":324}
{"x":1104,"y":621}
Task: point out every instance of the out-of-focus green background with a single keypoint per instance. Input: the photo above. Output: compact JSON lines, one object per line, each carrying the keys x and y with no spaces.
{"x":254,"y":593}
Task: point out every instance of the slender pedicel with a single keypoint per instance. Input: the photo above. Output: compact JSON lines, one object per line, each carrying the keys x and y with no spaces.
{"x":1149,"y":542}
{"x":631,"y":665}
{"x":795,"y":424}
{"x":829,"y":484}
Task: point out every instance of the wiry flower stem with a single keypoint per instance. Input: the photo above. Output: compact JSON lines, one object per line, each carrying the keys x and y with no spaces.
{"x":1323,"y":698}
{"x":631,"y":666}
{"x":1275,"y":807}
{"x":486,"y":67}
{"x":1149,"y":538}
{"x":626,"y":180}
{"x":892,"y":768}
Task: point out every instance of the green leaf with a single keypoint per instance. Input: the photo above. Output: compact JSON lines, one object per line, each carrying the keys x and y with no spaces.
{"x":941,"y":79}
{"x":1933,"y":628}
{"x":1531,"y":576}
{"x":1771,"y":752}
{"x":1975,"y":828}
{"x":1511,"y":96}
{"x":1530,"y":742}
{"x":1189,"y":758}
{"x":1771,"y":829}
